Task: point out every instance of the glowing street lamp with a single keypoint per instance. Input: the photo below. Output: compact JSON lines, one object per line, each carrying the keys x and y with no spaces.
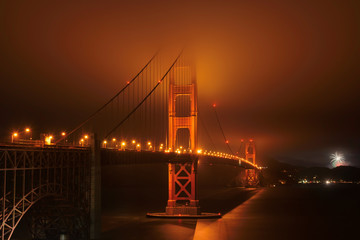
{"x":138,"y":147}
{"x":123,"y":144}
{"x":28,"y":131}
{"x":104,"y":143}
{"x":13,"y":136}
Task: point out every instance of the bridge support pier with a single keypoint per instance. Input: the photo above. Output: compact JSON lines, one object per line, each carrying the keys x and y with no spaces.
{"x":95,"y":189}
{"x":183,"y":197}
{"x":251,"y":178}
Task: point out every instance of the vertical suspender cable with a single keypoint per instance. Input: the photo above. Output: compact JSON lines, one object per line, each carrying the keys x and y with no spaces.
{"x":145,"y":98}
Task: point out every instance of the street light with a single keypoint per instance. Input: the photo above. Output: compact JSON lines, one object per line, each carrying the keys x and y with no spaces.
{"x":13,"y":136}
{"x":104,"y":143}
{"x":123,"y":144}
{"x":28,"y":131}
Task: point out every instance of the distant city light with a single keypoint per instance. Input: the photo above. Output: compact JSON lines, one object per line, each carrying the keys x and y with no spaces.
{"x":337,"y":159}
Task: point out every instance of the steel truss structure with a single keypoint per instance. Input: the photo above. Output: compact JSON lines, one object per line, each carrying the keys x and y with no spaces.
{"x":252,"y":178}
{"x":29,"y":175}
{"x":183,"y":197}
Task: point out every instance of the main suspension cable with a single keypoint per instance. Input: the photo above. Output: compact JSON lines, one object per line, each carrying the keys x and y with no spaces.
{"x":146,"y":97}
{"x":108,"y":102}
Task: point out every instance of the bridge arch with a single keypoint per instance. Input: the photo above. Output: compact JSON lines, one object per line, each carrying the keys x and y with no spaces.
{"x":14,"y":216}
{"x":21,"y":208}
{"x":32,"y":174}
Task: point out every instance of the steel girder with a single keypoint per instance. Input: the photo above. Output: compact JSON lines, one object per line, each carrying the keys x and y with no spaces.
{"x":30,"y":174}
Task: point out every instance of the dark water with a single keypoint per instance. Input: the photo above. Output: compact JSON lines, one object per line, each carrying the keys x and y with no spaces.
{"x":286,"y":212}
{"x":293,"y":212}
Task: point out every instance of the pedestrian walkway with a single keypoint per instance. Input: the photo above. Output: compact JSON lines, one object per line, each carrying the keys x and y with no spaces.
{"x":231,"y":225}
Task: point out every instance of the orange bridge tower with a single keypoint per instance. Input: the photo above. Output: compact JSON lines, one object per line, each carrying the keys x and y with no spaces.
{"x":183,"y":199}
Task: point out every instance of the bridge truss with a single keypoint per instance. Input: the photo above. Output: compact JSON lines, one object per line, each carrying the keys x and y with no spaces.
{"x":29,"y":175}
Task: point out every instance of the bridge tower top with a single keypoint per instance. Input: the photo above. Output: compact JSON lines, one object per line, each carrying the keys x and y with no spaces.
{"x":247,"y":150}
{"x":250,"y":151}
{"x":183,"y":107}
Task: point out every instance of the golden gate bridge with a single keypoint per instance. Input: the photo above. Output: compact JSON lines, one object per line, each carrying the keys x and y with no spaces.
{"x":152,"y":119}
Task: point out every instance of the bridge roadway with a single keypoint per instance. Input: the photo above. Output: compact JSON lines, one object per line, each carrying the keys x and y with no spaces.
{"x":115,"y":156}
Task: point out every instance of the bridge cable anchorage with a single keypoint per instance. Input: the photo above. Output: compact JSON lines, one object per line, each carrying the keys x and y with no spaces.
{"x":110,"y":100}
{"x":145,"y":98}
{"x":222,"y":131}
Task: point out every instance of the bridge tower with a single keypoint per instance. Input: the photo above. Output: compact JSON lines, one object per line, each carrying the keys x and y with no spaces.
{"x":252,"y":178}
{"x":183,"y":199}
{"x":250,"y":151}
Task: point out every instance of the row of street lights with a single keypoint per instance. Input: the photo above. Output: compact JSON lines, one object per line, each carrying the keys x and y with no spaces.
{"x":134,"y":145}
{"x":26,"y":134}
{"x":16,"y":135}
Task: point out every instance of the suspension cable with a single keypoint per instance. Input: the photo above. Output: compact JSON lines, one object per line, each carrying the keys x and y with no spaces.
{"x":146,"y":97}
{"x":108,"y":102}
{"x":206,"y":131}
{"x":222,"y":131}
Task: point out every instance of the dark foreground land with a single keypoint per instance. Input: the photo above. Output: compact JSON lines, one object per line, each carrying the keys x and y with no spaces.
{"x":292,"y":212}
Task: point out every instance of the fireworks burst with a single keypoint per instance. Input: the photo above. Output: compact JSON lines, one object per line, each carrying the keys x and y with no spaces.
{"x":337,"y":159}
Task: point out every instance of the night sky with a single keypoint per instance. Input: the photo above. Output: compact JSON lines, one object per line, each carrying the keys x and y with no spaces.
{"x":285,"y":73}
